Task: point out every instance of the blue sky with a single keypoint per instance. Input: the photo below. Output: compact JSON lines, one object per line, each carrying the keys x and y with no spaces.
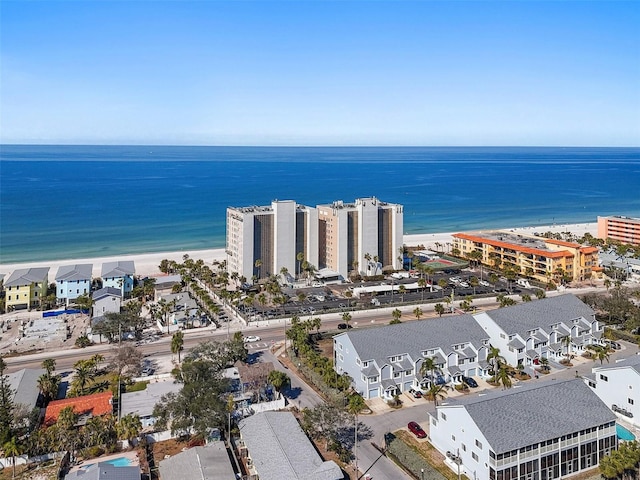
{"x":320,"y":73}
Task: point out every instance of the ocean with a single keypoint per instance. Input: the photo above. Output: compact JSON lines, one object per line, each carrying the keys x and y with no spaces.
{"x":59,"y":202}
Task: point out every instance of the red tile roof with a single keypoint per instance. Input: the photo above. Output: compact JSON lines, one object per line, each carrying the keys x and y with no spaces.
{"x":517,"y":248}
{"x":96,"y":404}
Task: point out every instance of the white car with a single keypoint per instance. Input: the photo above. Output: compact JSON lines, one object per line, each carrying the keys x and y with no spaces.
{"x":484,"y":283}
{"x":251,"y":338}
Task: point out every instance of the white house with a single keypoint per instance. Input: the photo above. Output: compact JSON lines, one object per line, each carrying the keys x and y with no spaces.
{"x":619,"y":384}
{"x":73,"y":281}
{"x":542,"y":431}
{"x":106,"y":300}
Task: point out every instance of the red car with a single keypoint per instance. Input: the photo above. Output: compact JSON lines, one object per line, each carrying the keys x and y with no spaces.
{"x":416,"y":430}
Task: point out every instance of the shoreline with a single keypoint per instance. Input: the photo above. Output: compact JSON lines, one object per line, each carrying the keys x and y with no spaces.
{"x":146,"y":264}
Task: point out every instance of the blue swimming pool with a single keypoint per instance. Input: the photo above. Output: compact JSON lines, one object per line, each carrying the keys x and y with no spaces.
{"x":624,"y":434}
{"x":119,"y":462}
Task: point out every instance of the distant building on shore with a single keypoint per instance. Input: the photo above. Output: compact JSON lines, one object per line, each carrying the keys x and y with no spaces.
{"x":365,"y":234}
{"x":540,"y":258}
{"x":623,"y":229}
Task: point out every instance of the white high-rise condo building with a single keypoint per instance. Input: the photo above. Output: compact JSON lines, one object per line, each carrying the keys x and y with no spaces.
{"x":364,"y":236}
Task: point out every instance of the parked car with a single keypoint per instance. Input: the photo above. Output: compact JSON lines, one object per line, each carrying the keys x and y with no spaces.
{"x":484,"y":283}
{"x":470,"y":381}
{"x":343,"y":326}
{"x":416,"y":430}
{"x":251,"y":338}
{"x":415,"y":393}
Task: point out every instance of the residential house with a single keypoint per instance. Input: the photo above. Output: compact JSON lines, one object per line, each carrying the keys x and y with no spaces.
{"x":530,"y":331}
{"x":252,"y":393}
{"x":142,"y":402}
{"x":119,"y":275}
{"x":619,"y":384}
{"x":272,"y":446}
{"x":164,"y":285}
{"x":73,"y":281}
{"x":386,"y":361}
{"x":210,"y":462}
{"x":105,"y":471}
{"x":24,"y":385}
{"x":106,"y":300}
{"x":85,"y":407}
{"x":543,"y":431}
{"x":25,"y":288}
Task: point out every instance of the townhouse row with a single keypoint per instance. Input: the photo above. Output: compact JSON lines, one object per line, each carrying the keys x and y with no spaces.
{"x":25,"y":288}
{"x":386,"y":361}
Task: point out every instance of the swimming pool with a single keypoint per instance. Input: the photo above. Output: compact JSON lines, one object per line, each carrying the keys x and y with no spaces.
{"x":120,"y":462}
{"x":624,"y":434}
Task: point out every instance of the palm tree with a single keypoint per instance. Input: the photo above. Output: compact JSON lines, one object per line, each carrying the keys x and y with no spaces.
{"x":396,"y":314}
{"x":502,"y":377}
{"x":429,"y":366}
{"x":495,"y":359}
{"x":436,"y":392}
{"x":278,"y":379}
{"x":177,"y":343}
{"x":258,"y":265}
{"x":566,"y":342}
{"x":401,"y":290}
{"x":355,"y":406}
{"x":544,"y":363}
{"x":599,"y":353}
{"x":12,"y":449}
{"x":439,"y":309}
{"x":49,"y":385}
{"x":49,"y":364}
{"x":129,"y":427}
{"x":300,"y":259}
{"x":367,"y":257}
{"x":417,"y":312}
{"x":83,"y":374}
{"x":346,"y":318}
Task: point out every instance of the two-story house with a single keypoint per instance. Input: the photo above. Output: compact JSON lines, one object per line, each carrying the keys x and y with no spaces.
{"x":529,"y":331}
{"x":119,"y":275}
{"x":25,"y":288}
{"x":106,"y":300}
{"x":73,"y":281}
{"x":618,"y":386}
{"x":386,"y":361}
{"x":542,"y":431}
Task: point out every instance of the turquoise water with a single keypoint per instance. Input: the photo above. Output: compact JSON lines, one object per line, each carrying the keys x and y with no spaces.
{"x":120,"y":462}
{"x":59,"y":202}
{"x":624,"y":434}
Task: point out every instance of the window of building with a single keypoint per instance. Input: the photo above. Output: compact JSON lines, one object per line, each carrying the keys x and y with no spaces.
{"x":443,"y":416}
{"x":604,"y":377}
{"x":630,"y":401}
{"x":464,"y":447}
{"x":478,"y":444}
{"x":397,"y":374}
{"x":357,"y":361}
{"x":453,"y":437}
{"x":474,"y":456}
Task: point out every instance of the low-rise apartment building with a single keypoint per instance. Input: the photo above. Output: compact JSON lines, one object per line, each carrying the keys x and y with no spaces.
{"x":540,"y":258}
{"x":543,"y":431}
{"x":623,"y":229}
{"x":25,"y":288}
{"x":548,"y":328}
{"x":387,"y":360}
{"x":619,"y":384}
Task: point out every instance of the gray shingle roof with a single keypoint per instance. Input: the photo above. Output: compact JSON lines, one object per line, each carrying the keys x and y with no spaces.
{"x":633,"y":362}
{"x":24,"y":384}
{"x":141,"y":403}
{"x":199,"y":463}
{"x":71,"y":273}
{"x":106,"y":291}
{"x":526,"y":415}
{"x":516,"y":343}
{"x":414,"y":337}
{"x":118,"y":269}
{"x":543,"y":313}
{"x":27,"y":276}
{"x":281,"y":451}
{"x":105,"y":471}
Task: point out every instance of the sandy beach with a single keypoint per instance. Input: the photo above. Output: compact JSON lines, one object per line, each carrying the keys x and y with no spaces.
{"x":147,"y":264}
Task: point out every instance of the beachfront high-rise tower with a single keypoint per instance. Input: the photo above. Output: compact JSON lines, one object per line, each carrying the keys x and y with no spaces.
{"x":262,"y":240}
{"x":364,"y":236}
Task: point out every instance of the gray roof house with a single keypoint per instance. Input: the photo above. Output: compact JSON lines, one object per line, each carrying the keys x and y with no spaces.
{"x":105,"y":471}
{"x":617,"y":384}
{"x":17,"y":297}
{"x":386,"y":360}
{"x":73,"y":281}
{"x":549,"y":429}
{"x":199,"y":463}
{"x":24,"y":384}
{"x":142,"y":402}
{"x":105,"y":300}
{"x":118,"y":275}
{"x":529,"y":331}
{"x":274,"y":447}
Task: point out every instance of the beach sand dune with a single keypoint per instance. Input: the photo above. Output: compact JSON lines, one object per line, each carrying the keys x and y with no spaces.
{"x":148,"y":264}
